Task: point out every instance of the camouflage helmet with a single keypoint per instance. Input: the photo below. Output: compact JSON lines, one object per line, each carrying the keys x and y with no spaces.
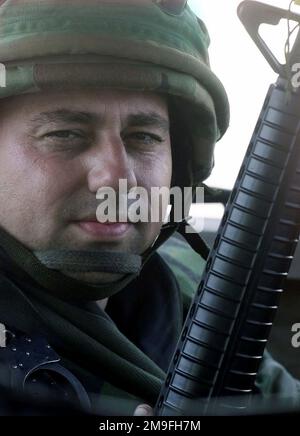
{"x":148,"y":45}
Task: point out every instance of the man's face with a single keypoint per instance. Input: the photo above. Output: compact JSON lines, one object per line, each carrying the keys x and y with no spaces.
{"x":57,"y":149}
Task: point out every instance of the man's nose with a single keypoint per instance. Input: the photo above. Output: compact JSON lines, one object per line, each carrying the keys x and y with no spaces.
{"x":108,"y":163}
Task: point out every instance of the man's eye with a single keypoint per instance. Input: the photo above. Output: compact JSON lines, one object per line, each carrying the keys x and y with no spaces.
{"x":144,"y":137}
{"x":63,"y":134}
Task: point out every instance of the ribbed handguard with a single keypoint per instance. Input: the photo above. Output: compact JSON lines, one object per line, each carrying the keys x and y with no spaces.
{"x":228,"y":325}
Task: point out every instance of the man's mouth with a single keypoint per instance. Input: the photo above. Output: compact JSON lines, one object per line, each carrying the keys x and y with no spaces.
{"x":104,"y":230}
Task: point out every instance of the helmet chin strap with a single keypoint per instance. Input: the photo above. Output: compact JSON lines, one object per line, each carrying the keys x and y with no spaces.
{"x":45,"y":268}
{"x":90,"y":261}
{"x":23,"y":264}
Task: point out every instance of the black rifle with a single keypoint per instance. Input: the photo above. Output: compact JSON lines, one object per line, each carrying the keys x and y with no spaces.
{"x":229,"y":322}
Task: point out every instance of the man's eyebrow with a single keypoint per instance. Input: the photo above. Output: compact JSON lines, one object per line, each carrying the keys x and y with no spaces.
{"x":64,"y":115}
{"x":148,"y":119}
{"x":139,"y":119}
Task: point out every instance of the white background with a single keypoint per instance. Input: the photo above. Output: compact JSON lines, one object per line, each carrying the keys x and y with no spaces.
{"x":245,"y":74}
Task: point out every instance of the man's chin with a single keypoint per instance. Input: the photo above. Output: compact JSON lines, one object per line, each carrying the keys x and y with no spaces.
{"x":95,"y":278}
